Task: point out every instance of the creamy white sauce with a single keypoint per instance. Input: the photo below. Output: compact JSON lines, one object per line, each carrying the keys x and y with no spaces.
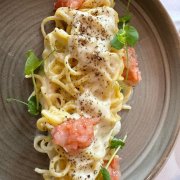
{"x":91,"y":105}
{"x":90,"y":44}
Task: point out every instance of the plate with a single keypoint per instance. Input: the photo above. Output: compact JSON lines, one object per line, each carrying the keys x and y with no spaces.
{"x":153,"y":123}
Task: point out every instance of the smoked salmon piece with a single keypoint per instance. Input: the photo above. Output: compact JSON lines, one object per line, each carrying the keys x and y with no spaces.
{"x":114,"y":168}
{"x":131,"y":73}
{"x":74,"y":4}
{"x":74,"y":135}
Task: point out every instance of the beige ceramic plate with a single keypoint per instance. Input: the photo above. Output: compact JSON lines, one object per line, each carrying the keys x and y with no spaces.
{"x":152,"y":124}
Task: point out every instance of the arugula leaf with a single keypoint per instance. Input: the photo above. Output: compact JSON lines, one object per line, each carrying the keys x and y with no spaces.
{"x":115,"y":143}
{"x":105,"y":174}
{"x":115,"y":43}
{"x":32,"y":106}
{"x":132,"y":35}
{"x":32,"y":63}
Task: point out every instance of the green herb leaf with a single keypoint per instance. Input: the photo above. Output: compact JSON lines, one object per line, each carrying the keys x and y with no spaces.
{"x":32,"y":106}
{"x":115,"y":43}
{"x":126,"y":18}
{"x":32,"y":63}
{"x":126,"y":36}
{"x":115,"y":143}
{"x":131,"y":34}
{"x":120,"y":25}
{"x":121,"y":36}
{"x":105,"y":174}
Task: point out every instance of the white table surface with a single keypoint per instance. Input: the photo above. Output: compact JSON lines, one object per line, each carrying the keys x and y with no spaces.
{"x":171,"y":170}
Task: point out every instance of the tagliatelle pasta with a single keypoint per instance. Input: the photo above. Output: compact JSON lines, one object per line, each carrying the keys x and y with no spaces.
{"x":80,"y":87}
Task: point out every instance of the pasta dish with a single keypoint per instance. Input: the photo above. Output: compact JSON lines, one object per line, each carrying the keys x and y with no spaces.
{"x":82,"y":86}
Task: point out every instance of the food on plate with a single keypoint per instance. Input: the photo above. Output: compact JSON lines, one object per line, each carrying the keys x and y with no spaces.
{"x":131,"y":67}
{"x":85,"y":77}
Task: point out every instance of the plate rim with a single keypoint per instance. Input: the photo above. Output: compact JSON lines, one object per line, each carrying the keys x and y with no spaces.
{"x":166,"y":154}
{"x":175,"y":40}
